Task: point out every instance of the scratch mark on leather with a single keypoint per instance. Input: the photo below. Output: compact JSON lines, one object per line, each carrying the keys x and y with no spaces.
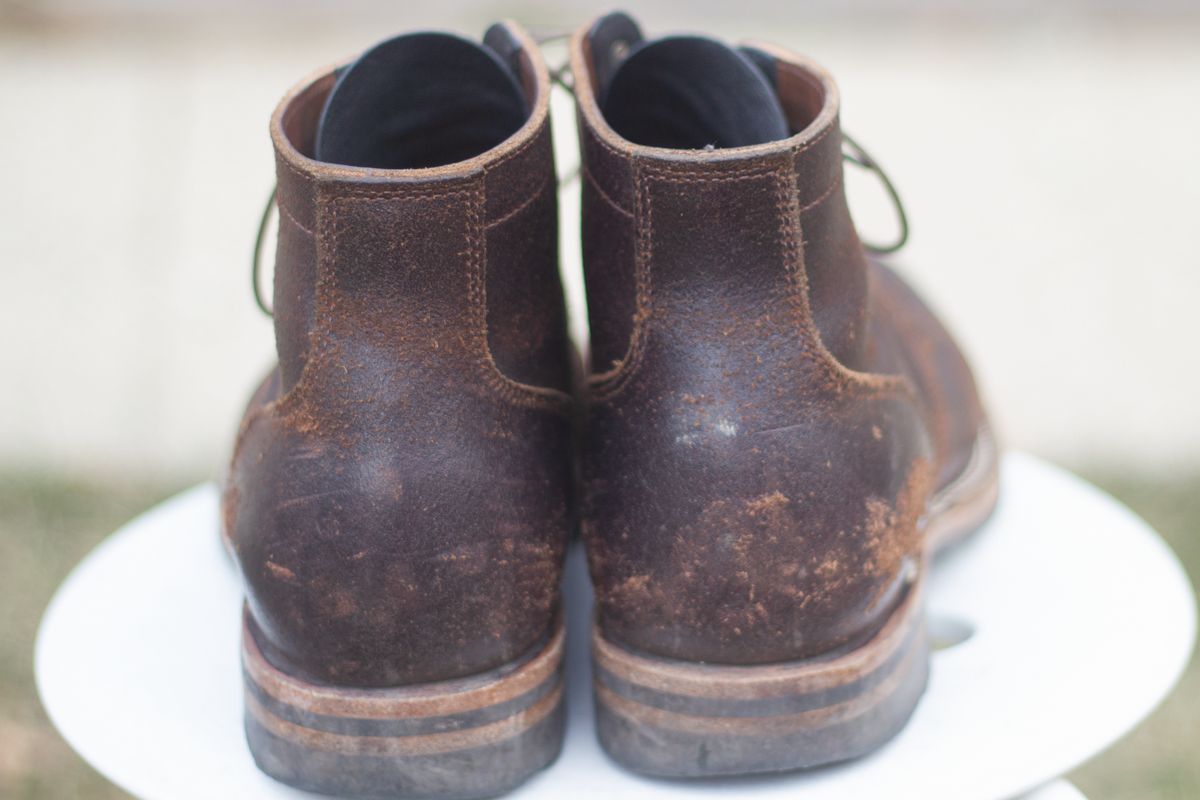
{"x":308,"y":498}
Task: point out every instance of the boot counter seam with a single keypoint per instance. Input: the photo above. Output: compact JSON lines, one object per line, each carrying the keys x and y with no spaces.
{"x":609,"y":386}
{"x":505,"y":389}
{"x":513,"y":392}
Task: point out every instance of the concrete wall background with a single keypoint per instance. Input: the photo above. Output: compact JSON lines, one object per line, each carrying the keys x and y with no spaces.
{"x":1047,"y":156}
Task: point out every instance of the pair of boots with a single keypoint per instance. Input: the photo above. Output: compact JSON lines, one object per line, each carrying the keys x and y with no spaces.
{"x":772,"y":435}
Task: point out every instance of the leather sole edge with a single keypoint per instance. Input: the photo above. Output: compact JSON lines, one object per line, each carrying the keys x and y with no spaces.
{"x":960,"y":508}
{"x":474,"y":737}
{"x":685,"y":720}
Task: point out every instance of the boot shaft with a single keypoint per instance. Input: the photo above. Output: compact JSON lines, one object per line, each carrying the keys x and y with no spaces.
{"x":723,"y":233}
{"x":464,"y":255}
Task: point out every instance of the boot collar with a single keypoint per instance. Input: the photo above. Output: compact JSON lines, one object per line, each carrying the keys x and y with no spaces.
{"x":806,"y":91}
{"x":301,"y":177}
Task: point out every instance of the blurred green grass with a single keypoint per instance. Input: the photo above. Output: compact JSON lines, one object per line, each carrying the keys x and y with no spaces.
{"x":48,"y":523}
{"x":1159,"y":759}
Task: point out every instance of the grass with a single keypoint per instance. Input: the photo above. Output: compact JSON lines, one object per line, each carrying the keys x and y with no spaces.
{"x":47,"y":523}
{"x":1158,"y":760}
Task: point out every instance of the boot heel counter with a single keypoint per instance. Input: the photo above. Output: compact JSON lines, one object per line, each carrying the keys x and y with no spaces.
{"x":364,"y":570}
{"x":742,"y":543}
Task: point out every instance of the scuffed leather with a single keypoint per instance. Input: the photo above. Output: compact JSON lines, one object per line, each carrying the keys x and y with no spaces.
{"x":400,"y":493}
{"x":909,"y":339}
{"x":769,"y":412}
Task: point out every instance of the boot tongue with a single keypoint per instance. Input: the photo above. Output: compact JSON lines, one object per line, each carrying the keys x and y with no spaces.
{"x":421,"y":100}
{"x":684,"y":92}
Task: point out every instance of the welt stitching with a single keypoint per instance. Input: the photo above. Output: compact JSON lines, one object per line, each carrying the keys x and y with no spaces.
{"x":587,"y":173}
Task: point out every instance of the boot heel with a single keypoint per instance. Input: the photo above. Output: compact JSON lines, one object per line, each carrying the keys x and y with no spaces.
{"x":473,"y":737}
{"x":678,"y":719}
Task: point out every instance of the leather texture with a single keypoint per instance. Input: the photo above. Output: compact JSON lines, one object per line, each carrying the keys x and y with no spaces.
{"x":400,"y":494}
{"x":769,"y":411}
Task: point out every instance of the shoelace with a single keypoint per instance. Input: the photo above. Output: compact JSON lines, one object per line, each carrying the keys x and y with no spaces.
{"x":852,"y":152}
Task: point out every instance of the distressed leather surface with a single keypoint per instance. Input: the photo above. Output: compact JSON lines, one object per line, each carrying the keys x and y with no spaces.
{"x":400,"y":494}
{"x":907,"y":338}
{"x":768,"y":411}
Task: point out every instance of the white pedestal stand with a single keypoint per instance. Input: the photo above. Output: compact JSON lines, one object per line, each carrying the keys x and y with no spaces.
{"x":1080,"y":618}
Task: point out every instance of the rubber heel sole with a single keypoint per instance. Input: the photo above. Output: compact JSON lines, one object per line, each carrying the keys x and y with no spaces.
{"x":684,"y":720}
{"x":473,"y":737}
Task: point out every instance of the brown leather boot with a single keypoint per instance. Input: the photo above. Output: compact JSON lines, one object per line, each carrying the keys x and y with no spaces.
{"x":778,"y":430}
{"x":399,"y":499}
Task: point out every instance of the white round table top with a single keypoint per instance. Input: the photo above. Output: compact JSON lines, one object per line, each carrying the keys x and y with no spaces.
{"x":1081,"y":621}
